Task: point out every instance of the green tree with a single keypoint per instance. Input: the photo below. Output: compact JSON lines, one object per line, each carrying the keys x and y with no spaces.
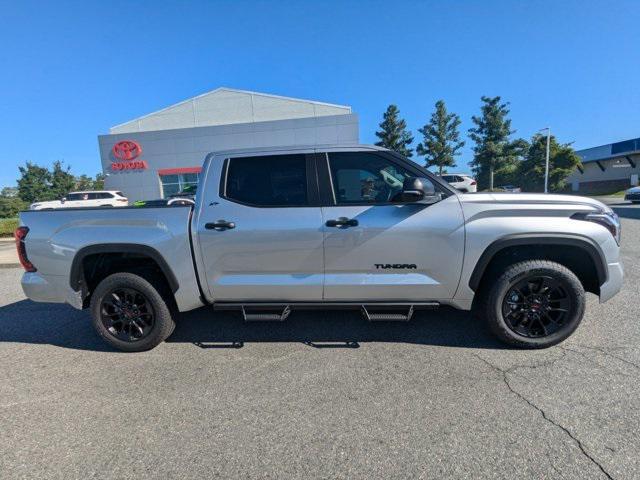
{"x":84,"y":182}
{"x":393,"y":132}
{"x":98,"y":183}
{"x":441,"y":138}
{"x":62,"y":181}
{"x":34,"y":183}
{"x":7,"y":192}
{"x":562,"y":161}
{"x":494,"y":154}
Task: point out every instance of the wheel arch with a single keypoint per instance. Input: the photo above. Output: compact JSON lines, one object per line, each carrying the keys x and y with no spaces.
{"x":77,"y":278}
{"x":549,"y":246}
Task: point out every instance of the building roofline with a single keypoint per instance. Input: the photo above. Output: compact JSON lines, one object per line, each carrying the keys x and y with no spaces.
{"x":234,"y":90}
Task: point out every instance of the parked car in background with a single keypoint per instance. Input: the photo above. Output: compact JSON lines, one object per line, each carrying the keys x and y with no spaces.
{"x":95,"y":198}
{"x":462,"y":183}
{"x":633,"y":195}
{"x":509,"y":189}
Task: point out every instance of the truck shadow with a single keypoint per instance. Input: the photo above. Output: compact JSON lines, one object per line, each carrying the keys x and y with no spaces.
{"x":60,"y":325}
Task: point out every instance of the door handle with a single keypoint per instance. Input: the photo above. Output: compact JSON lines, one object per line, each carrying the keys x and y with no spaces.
{"x":219,"y":225}
{"x":342,"y":222}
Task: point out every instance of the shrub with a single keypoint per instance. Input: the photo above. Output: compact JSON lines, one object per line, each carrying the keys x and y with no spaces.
{"x":10,"y":206}
{"x":8,"y":226}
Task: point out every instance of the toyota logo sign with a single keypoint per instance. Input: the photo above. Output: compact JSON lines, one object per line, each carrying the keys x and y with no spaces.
{"x":127,"y":150}
{"x":126,"y":153}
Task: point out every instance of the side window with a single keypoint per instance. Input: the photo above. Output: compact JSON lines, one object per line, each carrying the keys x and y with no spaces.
{"x":74,"y":197}
{"x":269,"y":181}
{"x":362,"y":177}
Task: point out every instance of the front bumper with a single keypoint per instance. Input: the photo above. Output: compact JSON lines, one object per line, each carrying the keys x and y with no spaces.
{"x":614,"y":281}
{"x":50,"y":289}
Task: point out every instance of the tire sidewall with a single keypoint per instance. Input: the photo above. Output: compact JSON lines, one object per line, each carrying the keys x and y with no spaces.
{"x":570,"y":283}
{"x":163,"y":322}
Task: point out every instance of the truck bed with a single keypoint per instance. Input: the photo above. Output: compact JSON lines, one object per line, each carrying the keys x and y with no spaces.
{"x":55,"y":237}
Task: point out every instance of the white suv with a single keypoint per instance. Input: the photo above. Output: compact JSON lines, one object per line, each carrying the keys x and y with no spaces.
{"x":96,"y":198}
{"x":463,"y":183}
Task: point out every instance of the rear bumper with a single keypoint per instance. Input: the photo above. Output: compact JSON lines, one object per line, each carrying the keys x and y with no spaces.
{"x":49,"y":289}
{"x":614,"y":281}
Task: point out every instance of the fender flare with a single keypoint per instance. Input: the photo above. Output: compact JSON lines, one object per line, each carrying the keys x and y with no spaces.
{"x":76,"y":274}
{"x":522,"y":239}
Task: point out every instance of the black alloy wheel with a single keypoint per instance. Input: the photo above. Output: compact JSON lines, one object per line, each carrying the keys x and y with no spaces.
{"x":533,"y":303}
{"x":536,"y":306}
{"x":132,"y":313}
{"x":127,"y":314}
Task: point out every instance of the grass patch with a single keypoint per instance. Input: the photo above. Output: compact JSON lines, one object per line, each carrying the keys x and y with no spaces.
{"x":8,"y":226}
{"x":619,"y":194}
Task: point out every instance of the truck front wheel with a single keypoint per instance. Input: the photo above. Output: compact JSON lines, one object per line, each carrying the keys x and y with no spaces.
{"x":535,"y":304}
{"x":129,"y":313}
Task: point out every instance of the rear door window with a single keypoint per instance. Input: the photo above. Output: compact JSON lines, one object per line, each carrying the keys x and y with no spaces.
{"x":268,"y":181}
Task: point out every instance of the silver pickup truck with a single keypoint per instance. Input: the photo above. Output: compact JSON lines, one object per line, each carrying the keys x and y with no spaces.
{"x":276,"y":230}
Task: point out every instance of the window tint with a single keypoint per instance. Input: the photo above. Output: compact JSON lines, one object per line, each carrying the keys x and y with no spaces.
{"x":277,"y":180}
{"x":72,"y":197}
{"x":449,"y":178}
{"x":360,"y":177}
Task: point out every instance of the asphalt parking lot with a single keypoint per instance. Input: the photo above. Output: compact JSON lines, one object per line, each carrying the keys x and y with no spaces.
{"x":323,"y":395}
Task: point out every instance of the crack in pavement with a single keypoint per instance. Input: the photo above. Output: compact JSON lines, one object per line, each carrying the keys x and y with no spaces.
{"x":606,"y":353}
{"x":544,"y":415}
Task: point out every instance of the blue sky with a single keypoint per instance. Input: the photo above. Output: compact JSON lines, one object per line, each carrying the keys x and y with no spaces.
{"x":70,"y":70}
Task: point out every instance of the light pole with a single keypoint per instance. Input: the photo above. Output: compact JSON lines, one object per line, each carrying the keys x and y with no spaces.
{"x":546,"y":166}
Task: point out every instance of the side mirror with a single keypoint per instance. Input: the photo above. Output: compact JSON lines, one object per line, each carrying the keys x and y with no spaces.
{"x":418,"y":190}
{"x":63,"y":199}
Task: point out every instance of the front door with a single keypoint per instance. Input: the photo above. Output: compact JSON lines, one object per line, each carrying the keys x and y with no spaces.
{"x":379,"y":250}
{"x":260,"y":235}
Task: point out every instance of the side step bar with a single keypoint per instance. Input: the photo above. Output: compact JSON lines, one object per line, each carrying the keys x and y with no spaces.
{"x":376,"y":311}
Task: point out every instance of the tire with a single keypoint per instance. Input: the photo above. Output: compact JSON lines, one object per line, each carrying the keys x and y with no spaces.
{"x":146,"y":321}
{"x":534,"y":304}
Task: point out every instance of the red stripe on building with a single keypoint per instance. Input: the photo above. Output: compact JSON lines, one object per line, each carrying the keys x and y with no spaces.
{"x":176,"y":171}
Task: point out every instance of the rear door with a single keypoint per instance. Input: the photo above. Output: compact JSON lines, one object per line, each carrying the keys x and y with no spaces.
{"x":260,"y":229}
{"x":376,"y":249}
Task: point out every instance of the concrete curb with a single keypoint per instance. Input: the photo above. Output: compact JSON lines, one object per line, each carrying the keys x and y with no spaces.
{"x":10,"y":265}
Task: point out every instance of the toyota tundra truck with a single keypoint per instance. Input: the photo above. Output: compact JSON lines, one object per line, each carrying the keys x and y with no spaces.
{"x":275,"y":230}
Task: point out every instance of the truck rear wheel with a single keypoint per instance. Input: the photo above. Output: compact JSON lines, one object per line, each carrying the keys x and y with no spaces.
{"x":129,"y":313}
{"x":535,"y":304}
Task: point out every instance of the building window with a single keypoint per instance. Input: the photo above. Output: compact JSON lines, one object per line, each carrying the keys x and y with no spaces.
{"x":178,"y":183}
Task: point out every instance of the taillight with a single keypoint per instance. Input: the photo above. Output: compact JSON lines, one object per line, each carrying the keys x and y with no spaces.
{"x":122,"y":199}
{"x":20,"y":234}
{"x":473,"y":182}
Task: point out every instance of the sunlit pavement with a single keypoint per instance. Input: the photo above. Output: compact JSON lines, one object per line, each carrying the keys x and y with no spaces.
{"x":322,"y":395}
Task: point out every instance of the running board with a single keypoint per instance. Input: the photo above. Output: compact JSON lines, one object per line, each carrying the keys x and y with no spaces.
{"x":265,"y":314}
{"x":280,"y":311}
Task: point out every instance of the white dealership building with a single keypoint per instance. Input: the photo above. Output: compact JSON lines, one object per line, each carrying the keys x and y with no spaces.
{"x":161,"y":153}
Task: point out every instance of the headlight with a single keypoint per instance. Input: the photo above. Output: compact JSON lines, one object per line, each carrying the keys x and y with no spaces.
{"x":605,"y":217}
